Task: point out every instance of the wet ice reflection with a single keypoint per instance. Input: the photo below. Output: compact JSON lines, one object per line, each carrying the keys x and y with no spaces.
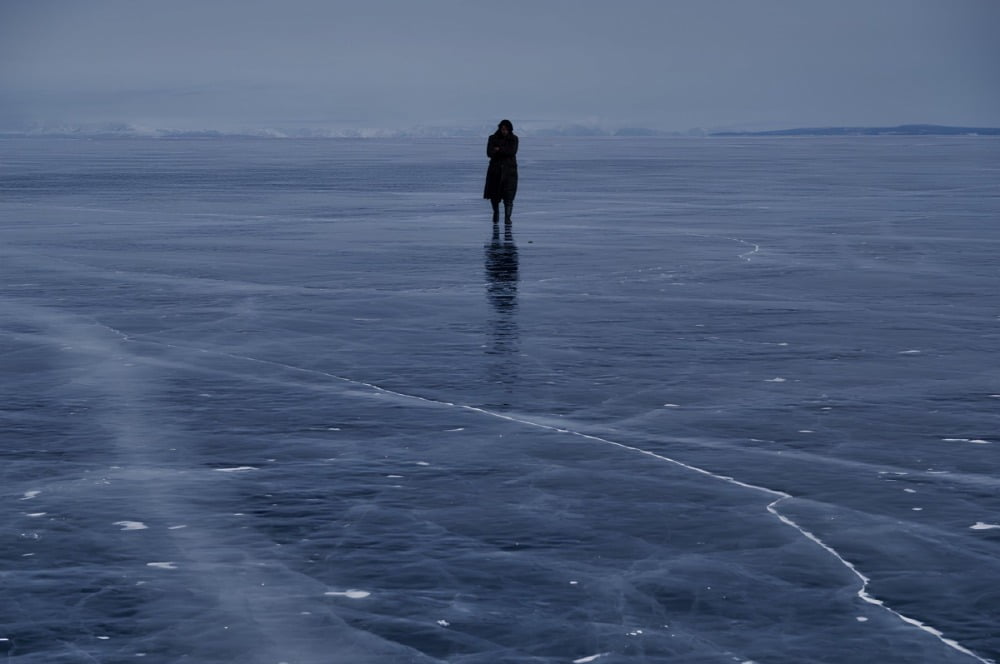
{"x":501,"y":291}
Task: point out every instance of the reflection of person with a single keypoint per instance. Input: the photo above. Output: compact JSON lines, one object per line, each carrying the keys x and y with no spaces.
{"x":501,"y":270}
{"x":501,"y":176}
{"x":501,"y":290}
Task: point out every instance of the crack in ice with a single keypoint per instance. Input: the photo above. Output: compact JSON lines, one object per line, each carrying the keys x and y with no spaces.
{"x":772,"y":508}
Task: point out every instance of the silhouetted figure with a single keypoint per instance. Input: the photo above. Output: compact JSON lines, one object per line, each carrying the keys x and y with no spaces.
{"x":501,"y":176}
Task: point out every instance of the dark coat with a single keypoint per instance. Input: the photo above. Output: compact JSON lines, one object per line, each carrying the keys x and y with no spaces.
{"x":501,"y":176}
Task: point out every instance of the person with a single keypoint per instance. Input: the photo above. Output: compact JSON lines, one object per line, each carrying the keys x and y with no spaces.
{"x":501,"y":176}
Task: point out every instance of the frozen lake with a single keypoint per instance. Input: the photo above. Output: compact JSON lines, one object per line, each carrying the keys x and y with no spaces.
{"x":711,"y":401}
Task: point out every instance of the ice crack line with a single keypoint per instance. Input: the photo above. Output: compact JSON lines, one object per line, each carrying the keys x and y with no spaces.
{"x":745,"y":255}
{"x":772,"y":508}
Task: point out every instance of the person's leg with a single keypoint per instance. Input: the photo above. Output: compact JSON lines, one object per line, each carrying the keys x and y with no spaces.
{"x":508,"y":208}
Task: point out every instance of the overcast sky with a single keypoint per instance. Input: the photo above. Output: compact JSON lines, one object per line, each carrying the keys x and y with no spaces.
{"x":665,"y":64}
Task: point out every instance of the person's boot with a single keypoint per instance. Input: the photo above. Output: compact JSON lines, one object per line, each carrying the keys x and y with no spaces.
{"x":496,"y":211}
{"x":507,"y":209}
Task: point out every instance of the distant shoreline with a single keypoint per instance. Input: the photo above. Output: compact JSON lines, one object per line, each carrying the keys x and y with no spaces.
{"x":900,"y":130}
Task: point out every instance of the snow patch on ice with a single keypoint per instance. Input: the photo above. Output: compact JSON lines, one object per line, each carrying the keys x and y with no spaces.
{"x":979,"y":525}
{"x":131,"y":525}
{"x":351,"y":594}
{"x":584,"y":660}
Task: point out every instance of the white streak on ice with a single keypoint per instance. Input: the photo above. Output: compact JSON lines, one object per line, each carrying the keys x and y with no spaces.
{"x":352,"y":594}
{"x":131,"y":525}
{"x":237,"y":469}
{"x":585,"y":660}
{"x":28,"y":495}
{"x":163,"y":565}
{"x":781,"y":496}
{"x":979,"y":525}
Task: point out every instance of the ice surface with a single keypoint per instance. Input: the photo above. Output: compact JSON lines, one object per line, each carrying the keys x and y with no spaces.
{"x":710,"y":400}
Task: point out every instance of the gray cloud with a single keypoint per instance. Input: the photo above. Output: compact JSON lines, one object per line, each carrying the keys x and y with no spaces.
{"x":400,"y":63}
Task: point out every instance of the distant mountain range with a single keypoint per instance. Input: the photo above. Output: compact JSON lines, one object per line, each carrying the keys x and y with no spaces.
{"x":901,"y":130}
{"x":123,"y":130}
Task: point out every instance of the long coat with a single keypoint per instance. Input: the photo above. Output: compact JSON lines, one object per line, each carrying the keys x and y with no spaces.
{"x":501,"y":176}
